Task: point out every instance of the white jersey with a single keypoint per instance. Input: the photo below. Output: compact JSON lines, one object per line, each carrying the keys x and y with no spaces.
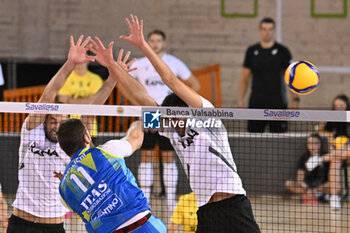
{"x":37,"y":192}
{"x":207,"y":159}
{"x":150,"y":79}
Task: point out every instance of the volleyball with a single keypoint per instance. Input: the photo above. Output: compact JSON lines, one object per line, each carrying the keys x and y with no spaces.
{"x":302,"y":77}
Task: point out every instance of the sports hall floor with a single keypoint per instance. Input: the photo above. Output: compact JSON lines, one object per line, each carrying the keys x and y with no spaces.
{"x":275,"y":215}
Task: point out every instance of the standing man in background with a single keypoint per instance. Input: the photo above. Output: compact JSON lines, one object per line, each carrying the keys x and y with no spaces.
{"x":79,"y":89}
{"x":155,"y":87}
{"x":265,"y":62}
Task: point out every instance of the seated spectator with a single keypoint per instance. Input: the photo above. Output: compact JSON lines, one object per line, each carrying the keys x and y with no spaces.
{"x":185,"y":213}
{"x":318,"y":172}
{"x":311,"y":176}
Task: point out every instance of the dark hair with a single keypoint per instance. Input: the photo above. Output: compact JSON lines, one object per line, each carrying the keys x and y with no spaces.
{"x":343,"y":98}
{"x":173,"y":100}
{"x":267,"y":20}
{"x":157,"y":32}
{"x":323,"y":145}
{"x":70,"y":136}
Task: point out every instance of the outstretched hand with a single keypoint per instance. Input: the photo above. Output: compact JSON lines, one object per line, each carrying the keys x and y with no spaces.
{"x":122,"y":61}
{"x":136,"y":31}
{"x":77,"y":52}
{"x":102,"y":55}
{"x":58,"y":175}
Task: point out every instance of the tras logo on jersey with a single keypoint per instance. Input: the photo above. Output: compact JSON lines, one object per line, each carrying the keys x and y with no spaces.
{"x":35,"y":149}
{"x":187,"y":140}
{"x":149,"y":82}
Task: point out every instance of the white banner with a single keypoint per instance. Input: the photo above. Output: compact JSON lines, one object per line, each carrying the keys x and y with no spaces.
{"x":177,"y":112}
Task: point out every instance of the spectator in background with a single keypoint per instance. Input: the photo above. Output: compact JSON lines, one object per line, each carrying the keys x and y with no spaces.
{"x":318,"y":172}
{"x":185,"y":213}
{"x":311,"y":176}
{"x":79,"y":89}
{"x":150,"y":79}
{"x":335,"y":129}
{"x":265,"y":63}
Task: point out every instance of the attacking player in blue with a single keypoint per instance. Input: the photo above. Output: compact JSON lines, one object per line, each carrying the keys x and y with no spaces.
{"x":98,"y":186}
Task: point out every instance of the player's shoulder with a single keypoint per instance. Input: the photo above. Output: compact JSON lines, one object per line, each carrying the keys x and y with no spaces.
{"x":171,"y":59}
{"x":281,"y":47}
{"x":253,"y":47}
{"x":183,"y":198}
{"x":93,"y":75}
{"x":168,"y":56}
{"x":188,"y":196}
{"x":141,"y":61}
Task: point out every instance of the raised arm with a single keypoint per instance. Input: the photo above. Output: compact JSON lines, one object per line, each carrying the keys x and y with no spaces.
{"x":102,"y":95}
{"x":134,"y":135}
{"x":77,"y":54}
{"x":104,"y":92}
{"x":193,"y":83}
{"x":168,"y":77}
{"x":133,"y":87}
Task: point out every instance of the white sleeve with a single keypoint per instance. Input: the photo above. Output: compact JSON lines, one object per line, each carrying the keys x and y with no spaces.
{"x":119,"y":148}
{"x":206,"y":103}
{"x":182,"y":70}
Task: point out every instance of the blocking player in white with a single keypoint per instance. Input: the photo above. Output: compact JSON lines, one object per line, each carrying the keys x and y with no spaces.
{"x":155,"y":87}
{"x":37,"y":207}
{"x":204,"y":152}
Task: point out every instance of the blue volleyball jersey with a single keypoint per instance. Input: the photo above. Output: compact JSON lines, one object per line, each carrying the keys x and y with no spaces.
{"x":101,"y":190}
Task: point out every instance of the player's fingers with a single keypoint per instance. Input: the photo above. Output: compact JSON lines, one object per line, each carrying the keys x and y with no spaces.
{"x":86,"y":41}
{"x":93,"y":43}
{"x":132,"y":19}
{"x":128,"y":23}
{"x":124,"y":38}
{"x":120,"y":55}
{"x":99,"y":43}
{"x":131,"y":62}
{"x":71,"y":41}
{"x":81,"y":37}
{"x":137,"y":20}
{"x":129,"y":70}
{"x":110,"y":48}
{"x":90,"y":58}
{"x":127,"y":55}
{"x":93,"y":50}
{"x":141,"y":25}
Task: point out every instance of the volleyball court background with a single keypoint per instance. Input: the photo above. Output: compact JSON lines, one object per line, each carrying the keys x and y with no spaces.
{"x":264,"y":161}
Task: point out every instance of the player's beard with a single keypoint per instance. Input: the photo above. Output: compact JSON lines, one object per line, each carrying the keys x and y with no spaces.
{"x":48,"y":135}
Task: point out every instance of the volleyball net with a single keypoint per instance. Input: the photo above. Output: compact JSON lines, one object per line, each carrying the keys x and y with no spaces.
{"x":290,"y":186}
